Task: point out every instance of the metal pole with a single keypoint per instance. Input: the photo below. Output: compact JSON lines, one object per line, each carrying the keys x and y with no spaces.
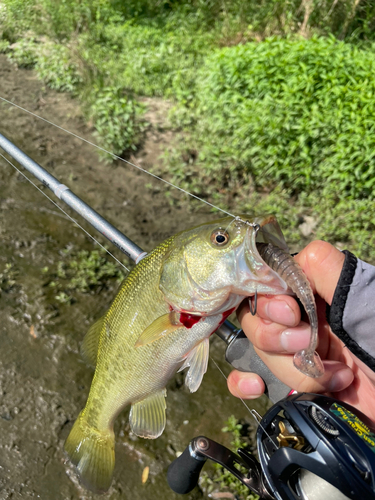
{"x":115,"y":236}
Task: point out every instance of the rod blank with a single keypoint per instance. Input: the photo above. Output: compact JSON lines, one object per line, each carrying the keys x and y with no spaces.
{"x":115,"y":236}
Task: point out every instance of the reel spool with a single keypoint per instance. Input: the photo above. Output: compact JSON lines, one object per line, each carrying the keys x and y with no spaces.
{"x":310,"y":447}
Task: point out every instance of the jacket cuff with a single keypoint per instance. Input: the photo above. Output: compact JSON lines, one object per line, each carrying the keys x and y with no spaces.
{"x":335,"y":312}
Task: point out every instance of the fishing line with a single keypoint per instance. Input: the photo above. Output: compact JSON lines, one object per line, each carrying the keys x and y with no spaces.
{"x":253,"y":413}
{"x":65,"y":213}
{"x":117,"y":157}
{"x":231,"y":222}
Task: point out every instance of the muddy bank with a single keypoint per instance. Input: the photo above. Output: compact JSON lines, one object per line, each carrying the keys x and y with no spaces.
{"x":43,"y":381}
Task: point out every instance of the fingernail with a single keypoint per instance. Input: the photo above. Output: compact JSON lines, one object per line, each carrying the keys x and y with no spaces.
{"x":340,"y":380}
{"x":250,"y":386}
{"x":280,"y":312}
{"x":295,"y":339}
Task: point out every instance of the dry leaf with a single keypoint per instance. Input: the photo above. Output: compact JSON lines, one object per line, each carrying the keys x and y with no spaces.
{"x":32,"y":331}
{"x":145,"y":472}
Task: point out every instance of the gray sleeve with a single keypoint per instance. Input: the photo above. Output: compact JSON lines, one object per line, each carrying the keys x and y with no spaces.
{"x":351,"y":315}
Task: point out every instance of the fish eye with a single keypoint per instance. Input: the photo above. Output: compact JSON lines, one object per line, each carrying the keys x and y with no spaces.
{"x":219,"y":237}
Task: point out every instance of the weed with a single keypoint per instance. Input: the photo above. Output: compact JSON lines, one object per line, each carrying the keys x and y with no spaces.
{"x":291,"y":112}
{"x":82,"y":272}
{"x":24,"y":52}
{"x":8,"y":277}
{"x":56,"y":67}
{"x":4,"y":46}
{"x":116,"y":118}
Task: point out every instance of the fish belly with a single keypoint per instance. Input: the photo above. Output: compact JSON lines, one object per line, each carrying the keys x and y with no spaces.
{"x":142,"y":371}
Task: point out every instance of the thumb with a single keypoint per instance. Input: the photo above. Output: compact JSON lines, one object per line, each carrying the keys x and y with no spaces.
{"x":322,"y":264}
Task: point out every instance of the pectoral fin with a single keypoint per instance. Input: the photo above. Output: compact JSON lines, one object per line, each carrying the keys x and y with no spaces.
{"x":90,"y":344}
{"x":164,"y":325}
{"x":197,"y":361}
{"x":147,"y":417}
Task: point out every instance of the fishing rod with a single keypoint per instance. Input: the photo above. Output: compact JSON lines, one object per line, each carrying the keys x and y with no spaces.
{"x":309,"y":445}
{"x":127,"y":246}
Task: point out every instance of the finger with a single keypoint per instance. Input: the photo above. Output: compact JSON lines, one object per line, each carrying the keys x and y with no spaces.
{"x":245,"y":385}
{"x":274,"y":337}
{"x":337,"y":375}
{"x":281,"y":309}
{"x":322,"y":263}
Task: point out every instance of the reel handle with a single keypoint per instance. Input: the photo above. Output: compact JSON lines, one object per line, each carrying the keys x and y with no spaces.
{"x":183,"y":472}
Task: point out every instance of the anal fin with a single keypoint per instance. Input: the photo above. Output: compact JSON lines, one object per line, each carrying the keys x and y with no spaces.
{"x":90,"y":344}
{"x":162,"y":326}
{"x":147,"y":417}
{"x":197,"y":361}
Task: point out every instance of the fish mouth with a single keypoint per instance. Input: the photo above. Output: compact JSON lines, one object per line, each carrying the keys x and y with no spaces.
{"x":269,"y":231}
{"x":254,"y":274}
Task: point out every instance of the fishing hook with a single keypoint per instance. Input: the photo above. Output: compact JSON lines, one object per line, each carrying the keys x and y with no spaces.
{"x":253,"y":310}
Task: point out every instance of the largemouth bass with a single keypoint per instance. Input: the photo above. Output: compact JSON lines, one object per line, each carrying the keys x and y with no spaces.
{"x":160,"y":322}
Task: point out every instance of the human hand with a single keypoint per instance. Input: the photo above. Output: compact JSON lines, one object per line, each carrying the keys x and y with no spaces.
{"x":277,"y":332}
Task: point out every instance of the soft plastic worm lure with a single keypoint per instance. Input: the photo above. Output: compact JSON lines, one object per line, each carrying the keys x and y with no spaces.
{"x":307,"y":360}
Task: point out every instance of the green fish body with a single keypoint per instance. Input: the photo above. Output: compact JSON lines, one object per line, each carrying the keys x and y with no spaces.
{"x":160,"y":322}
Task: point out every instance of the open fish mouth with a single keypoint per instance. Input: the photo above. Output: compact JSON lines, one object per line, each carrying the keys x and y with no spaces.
{"x":262,"y":278}
{"x":269,"y":231}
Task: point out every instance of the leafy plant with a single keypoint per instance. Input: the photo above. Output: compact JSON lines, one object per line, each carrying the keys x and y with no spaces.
{"x":292,"y":112}
{"x":82,"y":272}
{"x":116,"y":118}
{"x":8,"y":277}
{"x":233,"y":427}
{"x":56,"y":67}
{"x":4,"y":45}
{"x":24,"y":52}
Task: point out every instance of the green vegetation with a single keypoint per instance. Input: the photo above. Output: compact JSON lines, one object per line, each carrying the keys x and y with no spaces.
{"x":115,"y":117}
{"x":82,"y":272}
{"x":223,"y":479}
{"x":292,"y":115}
{"x":274,"y":100}
{"x":291,"y":112}
{"x":8,"y":277}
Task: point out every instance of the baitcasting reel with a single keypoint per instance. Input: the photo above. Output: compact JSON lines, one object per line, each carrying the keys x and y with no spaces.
{"x":310,"y":447}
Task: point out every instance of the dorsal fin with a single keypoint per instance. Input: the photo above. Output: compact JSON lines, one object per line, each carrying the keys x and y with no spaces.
{"x":90,"y":344}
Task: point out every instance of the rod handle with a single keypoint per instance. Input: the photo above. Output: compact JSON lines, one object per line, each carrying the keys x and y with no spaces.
{"x":241,"y":354}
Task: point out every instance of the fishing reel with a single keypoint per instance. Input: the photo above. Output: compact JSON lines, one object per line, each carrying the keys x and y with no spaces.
{"x":310,"y":447}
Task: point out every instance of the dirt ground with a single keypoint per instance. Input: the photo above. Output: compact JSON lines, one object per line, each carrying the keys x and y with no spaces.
{"x":43,"y":381}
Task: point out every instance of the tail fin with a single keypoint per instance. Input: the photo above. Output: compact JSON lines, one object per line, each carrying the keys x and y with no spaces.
{"x":92,"y":451}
